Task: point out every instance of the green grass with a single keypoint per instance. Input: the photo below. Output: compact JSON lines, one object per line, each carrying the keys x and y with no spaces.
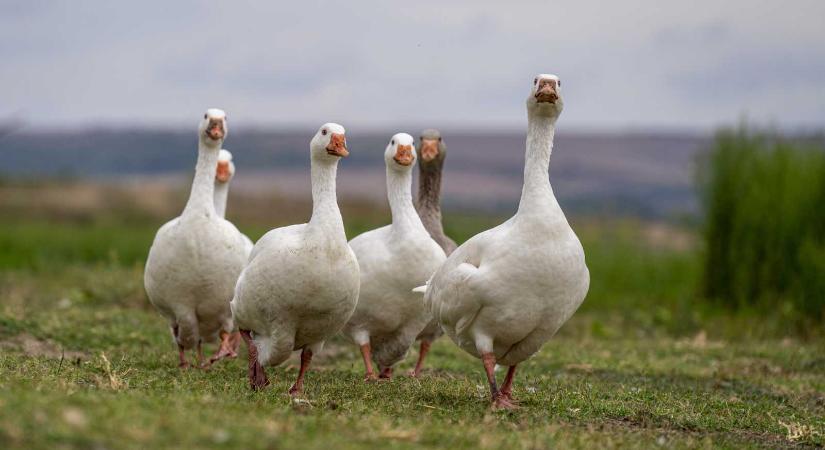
{"x":643,"y":285}
{"x":765,"y":225}
{"x":582,"y":390}
{"x":44,"y":246}
{"x":47,"y":244}
{"x":85,"y":362}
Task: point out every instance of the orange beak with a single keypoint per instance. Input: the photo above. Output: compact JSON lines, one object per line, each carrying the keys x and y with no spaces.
{"x":546,"y":91}
{"x":429,"y":149}
{"x":403,"y":155}
{"x":215,"y":129}
{"x":223,"y":173}
{"x":337,"y":145}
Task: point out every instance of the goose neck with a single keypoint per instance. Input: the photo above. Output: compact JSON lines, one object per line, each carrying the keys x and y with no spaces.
{"x":221,"y":193}
{"x":537,"y":191}
{"x":399,"y":194}
{"x":201,"y":197}
{"x":429,"y":197}
{"x":429,"y":187}
{"x":325,"y":212}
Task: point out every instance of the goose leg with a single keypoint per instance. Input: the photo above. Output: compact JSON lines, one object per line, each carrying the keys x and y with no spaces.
{"x":182,"y":362}
{"x":257,"y":375}
{"x":422,"y":353}
{"x":507,"y":388}
{"x":366,"y":353}
{"x":386,"y":373}
{"x":489,"y":361}
{"x":199,"y":354}
{"x":235,"y":341}
{"x":227,"y":348}
{"x":499,"y":401}
{"x":306,"y":359}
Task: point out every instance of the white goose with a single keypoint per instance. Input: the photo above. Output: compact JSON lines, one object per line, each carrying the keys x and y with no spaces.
{"x":196,"y":258}
{"x":301,"y":283}
{"x":506,"y":291}
{"x":393,"y":260}
{"x":223,"y":176}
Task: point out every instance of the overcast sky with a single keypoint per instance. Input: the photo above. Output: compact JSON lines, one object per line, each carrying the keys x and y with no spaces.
{"x":630,"y":64}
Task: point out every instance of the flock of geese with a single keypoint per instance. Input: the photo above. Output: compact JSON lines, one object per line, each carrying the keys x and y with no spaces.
{"x":499,"y":296}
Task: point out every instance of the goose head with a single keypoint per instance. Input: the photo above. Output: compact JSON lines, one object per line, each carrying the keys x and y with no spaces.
{"x":400,"y":152}
{"x":212,"y":129}
{"x":226,"y":168}
{"x":329,"y":143}
{"x":545,"y":96}
{"x":432,"y":147}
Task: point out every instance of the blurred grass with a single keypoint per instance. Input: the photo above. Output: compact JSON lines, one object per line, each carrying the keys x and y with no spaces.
{"x":764,"y":203}
{"x":644,"y":276}
{"x":644,"y":362}
{"x":44,"y":246}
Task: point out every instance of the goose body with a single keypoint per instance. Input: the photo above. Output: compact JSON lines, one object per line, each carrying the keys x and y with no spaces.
{"x":393,"y":260}
{"x":195,"y":259}
{"x":433,"y":154}
{"x":506,"y":291}
{"x":301,"y":283}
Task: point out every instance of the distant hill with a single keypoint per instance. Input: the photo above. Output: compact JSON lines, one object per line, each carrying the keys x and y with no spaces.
{"x":639,"y":174}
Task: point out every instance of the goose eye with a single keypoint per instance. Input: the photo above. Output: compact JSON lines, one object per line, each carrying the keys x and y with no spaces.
{"x":536,"y":80}
{"x":324,"y":132}
{"x":204,"y":116}
{"x":439,"y":139}
{"x":558,"y":83}
{"x":392,"y":142}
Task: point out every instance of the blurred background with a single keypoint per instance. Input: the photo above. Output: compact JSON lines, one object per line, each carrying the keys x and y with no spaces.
{"x":689,"y":156}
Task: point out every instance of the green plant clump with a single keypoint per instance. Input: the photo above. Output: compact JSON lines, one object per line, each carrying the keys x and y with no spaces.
{"x":764,"y":205}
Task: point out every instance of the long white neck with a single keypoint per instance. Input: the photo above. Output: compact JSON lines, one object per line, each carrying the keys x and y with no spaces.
{"x":399,"y":194}
{"x":221,"y":192}
{"x":201,"y":198}
{"x":537,"y":192}
{"x":325,"y":212}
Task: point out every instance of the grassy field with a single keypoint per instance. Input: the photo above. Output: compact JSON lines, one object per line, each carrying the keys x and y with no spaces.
{"x":85,"y":362}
